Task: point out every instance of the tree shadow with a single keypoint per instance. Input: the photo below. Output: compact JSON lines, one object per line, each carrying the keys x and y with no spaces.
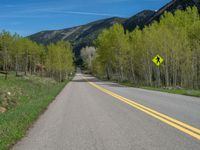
{"x":86,"y":80}
{"x":99,"y":82}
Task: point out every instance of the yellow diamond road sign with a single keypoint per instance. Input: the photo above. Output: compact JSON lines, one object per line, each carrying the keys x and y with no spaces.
{"x":158,"y":60}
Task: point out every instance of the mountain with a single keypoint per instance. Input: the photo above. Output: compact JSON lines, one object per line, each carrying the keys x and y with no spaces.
{"x":172,"y":7}
{"x":139,"y":19}
{"x":81,"y":36}
{"x":146,"y":17}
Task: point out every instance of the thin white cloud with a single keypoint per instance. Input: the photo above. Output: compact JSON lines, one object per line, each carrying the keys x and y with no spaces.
{"x":61,"y":11}
{"x":49,"y":11}
{"x":85,"y":13}
{"x":56,"y":12}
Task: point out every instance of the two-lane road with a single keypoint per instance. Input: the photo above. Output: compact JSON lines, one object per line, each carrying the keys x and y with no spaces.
{"x":94,"y":115}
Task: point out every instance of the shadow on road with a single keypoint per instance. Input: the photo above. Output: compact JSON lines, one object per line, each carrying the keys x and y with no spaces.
{"x":101,"y":83}
{"x":88,"y":80}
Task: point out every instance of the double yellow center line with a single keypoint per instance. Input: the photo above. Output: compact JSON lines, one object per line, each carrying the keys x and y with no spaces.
{"x":192,"y":131}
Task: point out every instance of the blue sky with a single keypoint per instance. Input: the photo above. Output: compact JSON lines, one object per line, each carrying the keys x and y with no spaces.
{"x":30,"y":16}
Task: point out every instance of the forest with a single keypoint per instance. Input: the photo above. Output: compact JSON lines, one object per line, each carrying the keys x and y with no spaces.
{"x":23,"y":56}
{"x":127,"y":56}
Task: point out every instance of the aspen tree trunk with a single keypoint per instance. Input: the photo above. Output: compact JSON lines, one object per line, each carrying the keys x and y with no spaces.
{"x":60,"y":76}
{"x":198,"y":70}
{"x":26,"y":64}
{"x":30,"y":65}
{"x":158,"y":77}
{"x":6,"y":69}
{"x":122,"y":73}
{"x":34,"y":68}
{"x":6,"y":63}
{"x":16,"y":65}
{"x":166,"y":71}
{"x":132,"y":71}
{"x":175,"y":72}
{"x":107,"y":73}
{"x":150,"y":75}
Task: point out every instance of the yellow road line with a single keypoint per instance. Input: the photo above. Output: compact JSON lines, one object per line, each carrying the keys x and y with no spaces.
{"x":192,"y":131}
{"x":157,"y":113}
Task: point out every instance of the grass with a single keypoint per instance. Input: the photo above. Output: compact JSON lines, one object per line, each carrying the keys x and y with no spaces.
{"x":173,"y":90}
{"x":180,"y":91}
{"x":187,"y":92}
{"x":24,"y":99}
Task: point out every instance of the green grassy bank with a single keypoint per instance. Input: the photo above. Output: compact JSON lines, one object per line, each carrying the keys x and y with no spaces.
{"x":174,"y":90}
{"x":187,"y":92}
{"x":22,"y":100}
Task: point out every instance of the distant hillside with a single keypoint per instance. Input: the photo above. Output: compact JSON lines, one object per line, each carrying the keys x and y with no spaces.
{"x":81,"y":36}
{"x":139,"y":19}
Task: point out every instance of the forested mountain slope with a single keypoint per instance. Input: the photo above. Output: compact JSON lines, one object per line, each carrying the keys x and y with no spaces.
{"x":79,"y":36}
{"x":173,"y":6}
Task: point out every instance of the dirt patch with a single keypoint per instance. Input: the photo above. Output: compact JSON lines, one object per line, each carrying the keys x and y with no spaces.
{"x":2,"y":109}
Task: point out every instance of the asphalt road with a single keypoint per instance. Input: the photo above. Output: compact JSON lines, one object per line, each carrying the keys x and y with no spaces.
{"x":85,"y":116}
